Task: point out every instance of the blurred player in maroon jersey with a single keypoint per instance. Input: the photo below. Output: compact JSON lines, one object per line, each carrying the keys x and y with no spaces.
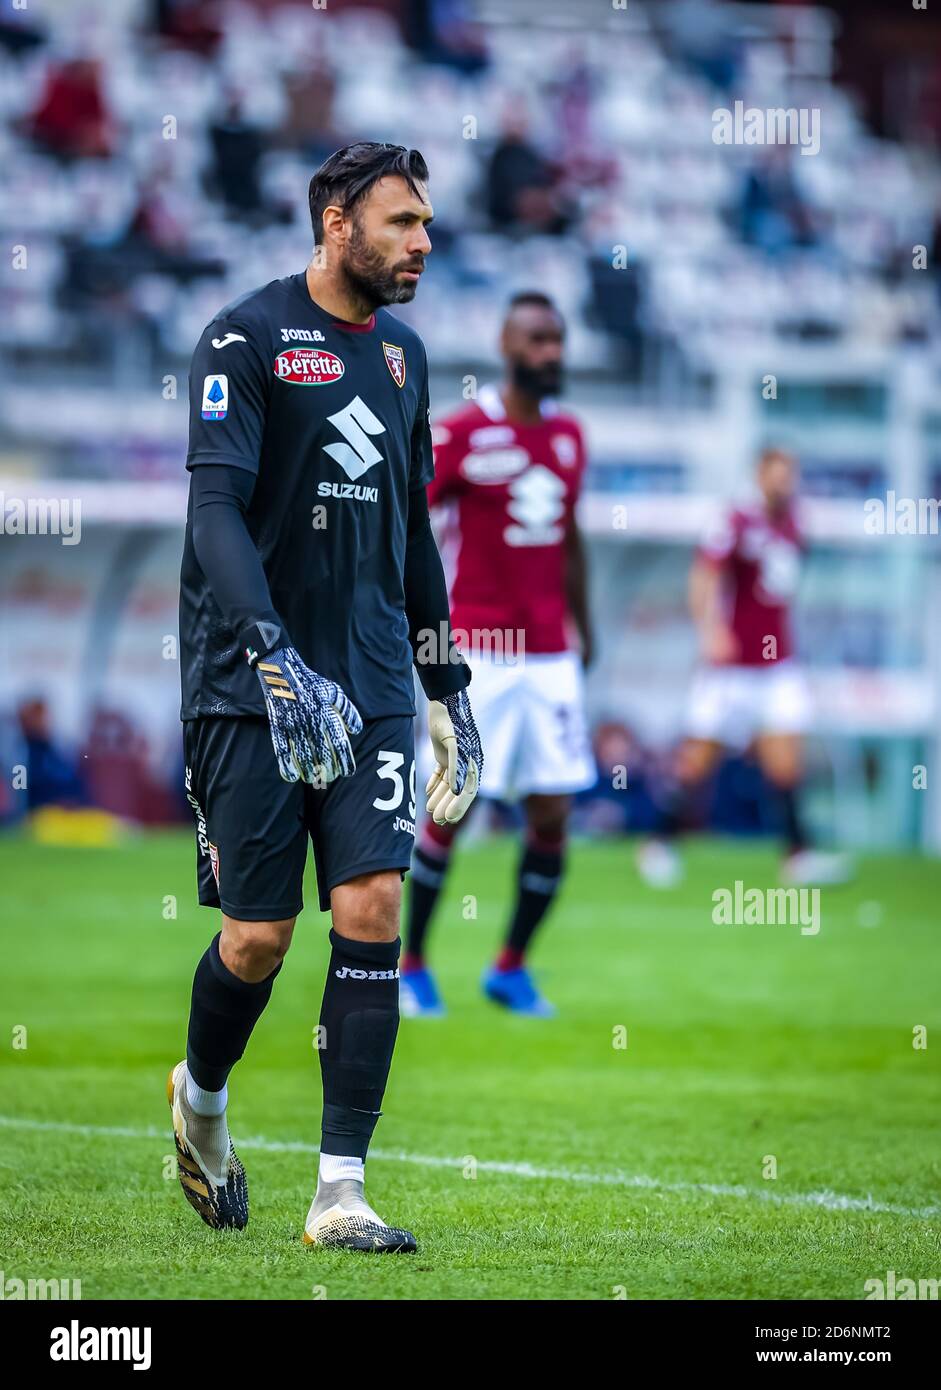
{"x":748,"y":687}
{"x":510,"y":466}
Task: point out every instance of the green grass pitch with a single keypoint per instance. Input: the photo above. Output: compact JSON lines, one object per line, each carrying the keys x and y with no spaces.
{"x":533,"y":1159}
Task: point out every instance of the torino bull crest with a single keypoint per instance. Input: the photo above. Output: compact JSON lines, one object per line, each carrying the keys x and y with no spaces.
{"x":395,"y":361}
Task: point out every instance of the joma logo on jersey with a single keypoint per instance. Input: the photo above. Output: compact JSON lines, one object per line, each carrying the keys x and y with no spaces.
{"x":347,"y":974}
{"x":302,"y":335}
{"x":308,"y":367}
{"x":356,"y":490}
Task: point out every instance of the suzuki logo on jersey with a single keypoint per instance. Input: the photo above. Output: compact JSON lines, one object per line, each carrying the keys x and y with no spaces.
{"x":779,"y":572}
{"x":302,"y":335}
{"x":215,"y":397}
{"x":308,"y":367}
{"x":778,"y":560}
{"x":345,"y":490}
{"x":537,"y":505}
{"x":356,"y":423}
{"x":395,"y":361}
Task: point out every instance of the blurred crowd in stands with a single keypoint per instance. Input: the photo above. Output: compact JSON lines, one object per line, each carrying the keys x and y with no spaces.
{"x":112,"y":771}
{"x":156,"y":156}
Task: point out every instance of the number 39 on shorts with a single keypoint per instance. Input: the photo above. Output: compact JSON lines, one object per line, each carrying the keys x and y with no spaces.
{"x":389,"y":767}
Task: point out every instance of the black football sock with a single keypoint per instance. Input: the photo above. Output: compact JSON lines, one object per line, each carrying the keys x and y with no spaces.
{"x":670,"y":813}
{"x":223,"y":1012}
{"x":540,"y":872}
{"x":359,"y":1019}
{"x":430,"y":860}
{"x":789,"y":819}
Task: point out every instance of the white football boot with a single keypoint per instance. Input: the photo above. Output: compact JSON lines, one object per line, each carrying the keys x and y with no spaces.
{"x":211,"y":1176}
{"x":658,"y":864}
{"x":341,"y":1218}
{"x":813,"y":866}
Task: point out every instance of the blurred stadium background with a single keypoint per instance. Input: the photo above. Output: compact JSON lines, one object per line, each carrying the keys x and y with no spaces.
{"x":155,"y":158}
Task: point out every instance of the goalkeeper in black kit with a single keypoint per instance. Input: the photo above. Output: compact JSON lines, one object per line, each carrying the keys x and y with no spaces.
{"x":310,"y":581}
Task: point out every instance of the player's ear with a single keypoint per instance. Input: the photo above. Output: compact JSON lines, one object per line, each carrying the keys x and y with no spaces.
{"x":334,"y":222}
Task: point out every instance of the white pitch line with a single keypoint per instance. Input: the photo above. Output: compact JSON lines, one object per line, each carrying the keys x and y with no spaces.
{"x":827,"y":1201}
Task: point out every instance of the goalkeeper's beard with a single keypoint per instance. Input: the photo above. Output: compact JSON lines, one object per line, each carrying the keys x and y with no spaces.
{"x":371,"y":280}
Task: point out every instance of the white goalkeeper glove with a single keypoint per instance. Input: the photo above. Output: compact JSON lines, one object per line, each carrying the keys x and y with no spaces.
{"x":459,"y":757}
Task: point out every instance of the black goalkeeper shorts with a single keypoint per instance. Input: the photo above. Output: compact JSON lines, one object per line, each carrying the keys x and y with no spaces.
{"x":252,"y":828}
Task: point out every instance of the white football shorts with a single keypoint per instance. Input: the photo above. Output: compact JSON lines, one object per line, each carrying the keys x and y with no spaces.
{"x":533,"y":730}
{"x":731,"y":704}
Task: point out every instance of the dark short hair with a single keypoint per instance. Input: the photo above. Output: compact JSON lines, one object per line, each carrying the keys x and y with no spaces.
{"x":348,"y":175}
{"x":536,"y":297}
